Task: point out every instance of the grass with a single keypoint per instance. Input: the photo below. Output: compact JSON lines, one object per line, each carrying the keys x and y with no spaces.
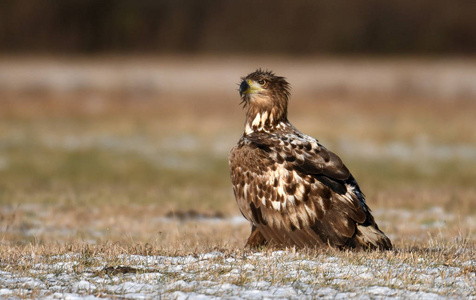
{"x":88,"y":177}
{"x":434,"y":266}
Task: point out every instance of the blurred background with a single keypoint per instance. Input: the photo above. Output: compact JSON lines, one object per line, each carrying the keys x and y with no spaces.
{"x":116,"y":117}
{"x":239,"y":27}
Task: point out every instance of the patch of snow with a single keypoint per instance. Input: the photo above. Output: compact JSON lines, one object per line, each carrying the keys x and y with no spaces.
{"x":211,"y":255}
{"x":215,"y":275}
{"x":421,"y":150}
{"x":84,"y":285}
{"x":4,"y":292}
{"x":381,"y":291}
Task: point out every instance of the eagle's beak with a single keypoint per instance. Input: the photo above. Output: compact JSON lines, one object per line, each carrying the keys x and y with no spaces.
{"x":244,"y":88}
{"x":249,"y":86}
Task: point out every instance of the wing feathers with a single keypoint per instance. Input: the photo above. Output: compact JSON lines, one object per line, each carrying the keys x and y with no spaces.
{"x":296,"y":192}
{"x":298,"y":152}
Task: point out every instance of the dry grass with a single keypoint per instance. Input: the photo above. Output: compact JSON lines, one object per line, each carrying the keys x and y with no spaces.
{"x":440,"y":266}
{"x":102,"y":173}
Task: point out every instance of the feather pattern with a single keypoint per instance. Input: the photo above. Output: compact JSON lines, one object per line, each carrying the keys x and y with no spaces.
{"x":291,"y":188}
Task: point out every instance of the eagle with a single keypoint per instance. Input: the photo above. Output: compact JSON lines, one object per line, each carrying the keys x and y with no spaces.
{"x":293,"y":191}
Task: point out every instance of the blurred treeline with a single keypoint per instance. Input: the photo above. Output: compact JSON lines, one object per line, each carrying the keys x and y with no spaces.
{"x":225,"y":26}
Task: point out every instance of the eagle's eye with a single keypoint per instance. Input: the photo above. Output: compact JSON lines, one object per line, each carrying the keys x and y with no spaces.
{"x":262,"y":81}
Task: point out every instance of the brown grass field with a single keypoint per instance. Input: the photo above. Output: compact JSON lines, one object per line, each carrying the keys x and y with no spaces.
{"x":95,"y":161}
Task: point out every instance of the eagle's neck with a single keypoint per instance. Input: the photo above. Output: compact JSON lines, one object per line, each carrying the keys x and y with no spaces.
{"x":265,"y":120}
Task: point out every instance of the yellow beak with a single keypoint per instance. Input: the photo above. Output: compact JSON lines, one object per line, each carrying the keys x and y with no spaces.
{"x":249,"y":86}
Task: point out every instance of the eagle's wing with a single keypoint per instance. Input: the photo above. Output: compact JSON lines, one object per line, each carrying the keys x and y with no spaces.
{"x":306,"y":156}
{"x":295,"y":191}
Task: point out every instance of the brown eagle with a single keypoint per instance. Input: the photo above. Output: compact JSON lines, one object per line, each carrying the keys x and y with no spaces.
{"x":292,"y":189}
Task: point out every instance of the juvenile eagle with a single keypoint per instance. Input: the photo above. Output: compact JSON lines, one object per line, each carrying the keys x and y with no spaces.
{"x":291,"y":188}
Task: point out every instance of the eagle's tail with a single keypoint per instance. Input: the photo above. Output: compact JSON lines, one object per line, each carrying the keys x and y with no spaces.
{"x":370,"y":237}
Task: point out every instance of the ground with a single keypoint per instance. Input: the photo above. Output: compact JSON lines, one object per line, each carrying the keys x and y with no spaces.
{"x":114,"y":177}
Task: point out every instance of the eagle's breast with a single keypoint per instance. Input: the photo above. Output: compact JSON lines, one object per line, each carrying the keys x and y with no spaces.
{"x":268,"y":188}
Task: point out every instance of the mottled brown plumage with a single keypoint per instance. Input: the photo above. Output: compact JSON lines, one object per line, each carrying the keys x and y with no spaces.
{"x":292,"y":189}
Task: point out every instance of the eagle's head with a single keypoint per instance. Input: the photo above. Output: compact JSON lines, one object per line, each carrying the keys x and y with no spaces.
{"x":264,"y":92}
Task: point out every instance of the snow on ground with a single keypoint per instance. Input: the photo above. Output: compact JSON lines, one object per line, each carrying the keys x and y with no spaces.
{"x":276,"y":275}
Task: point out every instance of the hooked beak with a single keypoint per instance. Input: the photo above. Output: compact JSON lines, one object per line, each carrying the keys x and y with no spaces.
{"x":244,"y":88}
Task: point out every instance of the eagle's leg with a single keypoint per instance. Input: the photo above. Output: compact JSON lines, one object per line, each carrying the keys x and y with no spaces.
{"x":256,"y":238}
